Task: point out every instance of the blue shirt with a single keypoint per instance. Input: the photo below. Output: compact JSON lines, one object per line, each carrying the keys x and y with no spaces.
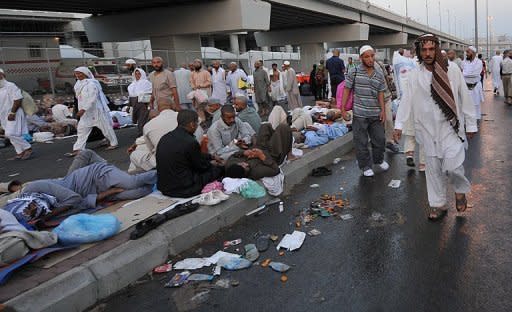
{"x":336,"y":68}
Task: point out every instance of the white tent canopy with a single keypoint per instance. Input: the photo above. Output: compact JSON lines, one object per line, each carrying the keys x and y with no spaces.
{"x":68,"y":52}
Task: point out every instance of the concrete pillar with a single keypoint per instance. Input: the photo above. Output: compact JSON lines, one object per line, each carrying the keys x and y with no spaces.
{"x":211,"y":41}
{"x":176,"y":50}
{"x":242,"y":43}
{"x":288,"y":48}
{"x":265,"y":49}
{"x":73,"y":40}
{"x":233,"y":44}
{"x":310,"y":53}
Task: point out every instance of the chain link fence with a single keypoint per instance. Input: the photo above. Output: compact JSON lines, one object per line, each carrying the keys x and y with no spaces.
{"x":47,"y":73}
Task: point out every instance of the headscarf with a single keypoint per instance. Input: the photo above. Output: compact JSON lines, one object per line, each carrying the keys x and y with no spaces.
{"x":80,"y":84}
{"x":141,"y":86}
{"x":440,"y":88}
{"x":277,"y":116}
{"x":43,"y":203}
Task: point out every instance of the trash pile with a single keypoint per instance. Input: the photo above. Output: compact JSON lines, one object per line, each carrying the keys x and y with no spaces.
{"x":327,"y":206}
{"x":228,"y":259}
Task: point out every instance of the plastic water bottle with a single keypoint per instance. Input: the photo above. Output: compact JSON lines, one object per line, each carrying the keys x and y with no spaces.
{"x":281,"y":206}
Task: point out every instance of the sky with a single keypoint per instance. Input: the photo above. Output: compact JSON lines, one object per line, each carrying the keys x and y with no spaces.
{"x":459,"y":13}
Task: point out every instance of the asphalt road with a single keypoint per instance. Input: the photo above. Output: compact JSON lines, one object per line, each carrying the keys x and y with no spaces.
{"x":401,"y":263}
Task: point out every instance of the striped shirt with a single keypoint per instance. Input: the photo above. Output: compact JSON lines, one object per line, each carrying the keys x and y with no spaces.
{"x":366,"y":91}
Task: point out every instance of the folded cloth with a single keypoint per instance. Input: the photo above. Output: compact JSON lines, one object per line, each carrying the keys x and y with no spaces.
{"x":233,"y":185}
{"x":212,"y":186}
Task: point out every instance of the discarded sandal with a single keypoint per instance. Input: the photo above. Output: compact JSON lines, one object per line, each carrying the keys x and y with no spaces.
{"x":321,"y":172}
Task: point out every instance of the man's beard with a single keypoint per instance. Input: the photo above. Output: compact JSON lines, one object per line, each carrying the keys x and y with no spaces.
{"x":159,"y":69}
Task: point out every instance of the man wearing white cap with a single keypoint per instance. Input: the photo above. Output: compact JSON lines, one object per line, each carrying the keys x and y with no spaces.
{"x":233,"y":81}
{"x":12,"y":117}
{"x":472,"y":67}
{"x":495,"y":65}
{"x":93,"y":110}
{"x":369,"y":111}
{"x":131,"y":65}
{"x":291,"y":87}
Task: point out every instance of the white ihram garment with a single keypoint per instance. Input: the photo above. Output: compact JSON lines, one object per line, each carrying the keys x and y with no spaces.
{"x":97,"y":114}
{"x":220,"y":89}
{"x":15,"y":129}
{"x":495,"y":71}
{"x":444,"y":149}
{"x":471,"y":71}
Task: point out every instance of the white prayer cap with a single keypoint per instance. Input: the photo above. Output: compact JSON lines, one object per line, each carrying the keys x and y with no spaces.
{"x":364,"y":49}
{"x":130,"y":61}
{"x":286,"y":63}
{"x":2,"y":71}
{"x":443,"y":52}
{"x":472,"y":48}
{"x":84,"y":70}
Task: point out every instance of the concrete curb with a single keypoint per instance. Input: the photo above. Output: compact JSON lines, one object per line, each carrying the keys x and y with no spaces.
{"x":99,"y":278}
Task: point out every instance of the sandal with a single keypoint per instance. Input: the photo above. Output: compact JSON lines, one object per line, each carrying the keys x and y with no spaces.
{"x":321,"y":172}
{"x":461,"y":204}
{"x":436,"y":214}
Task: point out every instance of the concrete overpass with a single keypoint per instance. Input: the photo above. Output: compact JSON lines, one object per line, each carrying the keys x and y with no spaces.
{"x":178,"y":24}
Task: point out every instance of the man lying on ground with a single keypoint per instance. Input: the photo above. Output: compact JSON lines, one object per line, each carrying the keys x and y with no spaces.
{"x":89,"y":181}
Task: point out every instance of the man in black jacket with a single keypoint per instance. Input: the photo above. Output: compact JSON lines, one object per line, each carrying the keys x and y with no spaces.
{"x":182,"y":169}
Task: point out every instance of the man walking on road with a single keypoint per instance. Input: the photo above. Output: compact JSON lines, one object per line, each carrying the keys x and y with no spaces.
{"x":220,"y":90}
{"x":369,"y":111}
{"x":336,"y":69}
{"x":506,"y":75}
{"x":93,"y":110}
{"x":494,"y":65}
{"x":471,"y":69}
{"x":438,"y":100}
{"x":12,"y":117}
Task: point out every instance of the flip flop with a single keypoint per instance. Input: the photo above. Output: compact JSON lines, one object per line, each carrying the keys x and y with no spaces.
{"x":437,"y":214}
{"x":461,"y":204}
{"x":321,"y":172}
{"x":27,"y":156}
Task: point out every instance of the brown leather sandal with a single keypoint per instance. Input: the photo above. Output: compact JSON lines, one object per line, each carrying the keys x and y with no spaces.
{"x":461,"y":204}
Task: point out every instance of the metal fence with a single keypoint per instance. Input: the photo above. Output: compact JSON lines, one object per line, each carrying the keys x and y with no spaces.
{"x":47,"y":73}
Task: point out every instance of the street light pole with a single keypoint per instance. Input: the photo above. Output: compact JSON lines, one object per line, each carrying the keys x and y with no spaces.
{"x":476,"y":24}
{"x":488,"y":21}
{"x":426,"y":6}
{"x":440,"y":17}
{"x":406,"y":10}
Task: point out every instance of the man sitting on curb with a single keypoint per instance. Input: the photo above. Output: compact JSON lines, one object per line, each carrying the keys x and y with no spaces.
{"x":182,"y":169}
{"x":247,"y":114}
{"x":227,"y":135}
{"x":142,"y":156}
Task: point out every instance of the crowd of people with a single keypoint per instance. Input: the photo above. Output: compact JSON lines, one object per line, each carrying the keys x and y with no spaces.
{"x":196,"y":126}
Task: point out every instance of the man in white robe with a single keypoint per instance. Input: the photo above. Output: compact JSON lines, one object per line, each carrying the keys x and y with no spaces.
{"x":291,"y":87}
{"x":495,"y":72}
{"x":443,"y":115}
{"x":182,"y":76}
{"x":471,"y":69}
{"x":142,"y":153}
{"x":12,"y":117}
{"x":234,"y":75}
{"x":276,"y":84}
{"x":92,"y":110}
{"x":220,"y":90}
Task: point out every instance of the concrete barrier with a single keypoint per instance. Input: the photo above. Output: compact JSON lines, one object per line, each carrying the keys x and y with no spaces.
{"x":99,"y":278}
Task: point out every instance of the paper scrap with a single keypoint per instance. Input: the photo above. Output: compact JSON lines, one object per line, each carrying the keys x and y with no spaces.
{"x":394,"y":183}
{"x":292,"y":241}
{"x":346,"y":217}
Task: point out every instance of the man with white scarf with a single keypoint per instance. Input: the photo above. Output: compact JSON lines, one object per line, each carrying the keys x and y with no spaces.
{"x":472,"y":67}
{"x":436,"y":98}
{"x":92,"y":110}
{"x":12,"y":117}
{"x":139,"y":92}
{"x":495,"y":71}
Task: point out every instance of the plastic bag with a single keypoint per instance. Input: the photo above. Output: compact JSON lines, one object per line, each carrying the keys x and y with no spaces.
{"x":252,"y":190}
{"x":84,"y":228}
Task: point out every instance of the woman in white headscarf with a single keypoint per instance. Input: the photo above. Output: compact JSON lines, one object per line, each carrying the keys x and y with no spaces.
{"x":139,"y":92}
{"x":93,"y":110}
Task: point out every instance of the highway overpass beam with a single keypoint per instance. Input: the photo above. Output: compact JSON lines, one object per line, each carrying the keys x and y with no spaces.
{"x":300,"y":36}
{"x":243,"y":15}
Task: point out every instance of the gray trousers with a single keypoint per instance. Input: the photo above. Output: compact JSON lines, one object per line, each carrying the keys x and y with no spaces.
{"x":437,"y":181}
{"x":84,"y":158}
{"x":372,"y":127}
